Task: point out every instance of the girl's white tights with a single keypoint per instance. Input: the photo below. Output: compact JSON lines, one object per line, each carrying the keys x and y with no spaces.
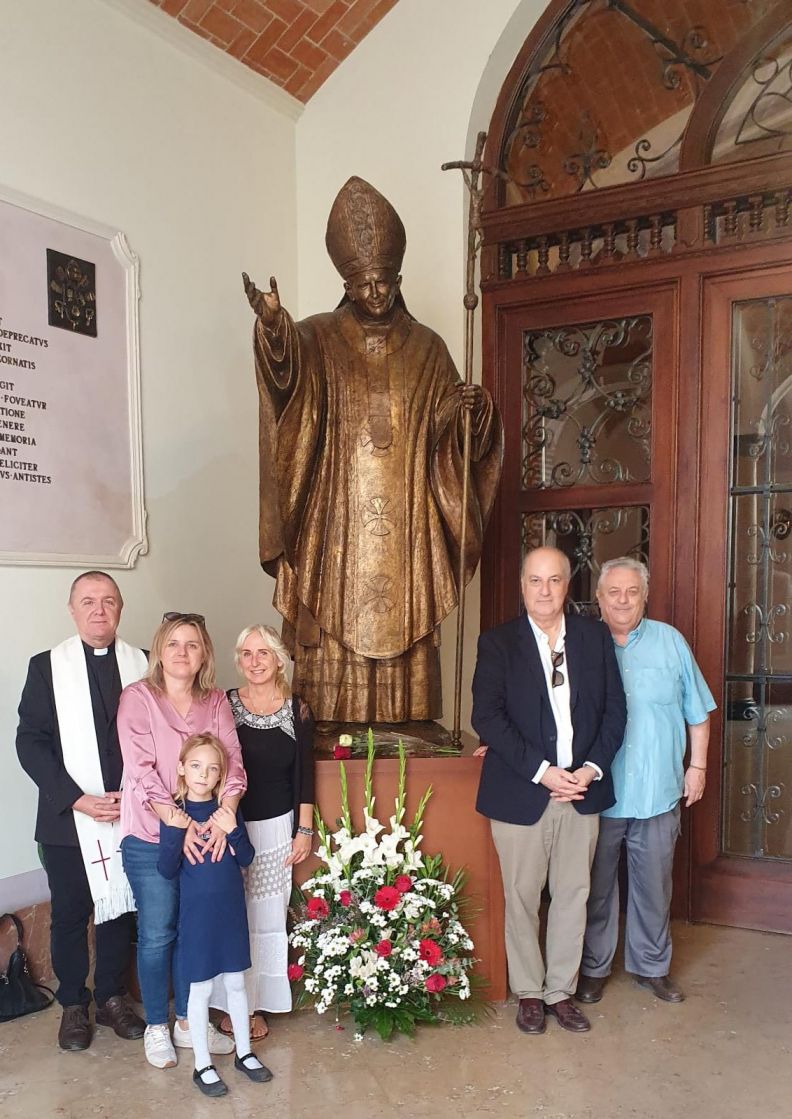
{"x":198,"y":1018}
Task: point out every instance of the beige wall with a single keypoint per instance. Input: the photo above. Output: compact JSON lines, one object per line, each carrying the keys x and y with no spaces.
{"x":102,"y":117}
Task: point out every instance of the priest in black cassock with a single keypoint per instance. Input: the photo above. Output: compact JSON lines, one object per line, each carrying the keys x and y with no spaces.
{"x":68,"y":744}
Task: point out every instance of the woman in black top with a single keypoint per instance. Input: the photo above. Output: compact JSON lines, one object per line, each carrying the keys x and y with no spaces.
{"x":275,"y":731}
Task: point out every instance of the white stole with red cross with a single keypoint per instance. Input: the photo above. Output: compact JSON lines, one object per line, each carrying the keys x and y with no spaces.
{"x":100,"y":843}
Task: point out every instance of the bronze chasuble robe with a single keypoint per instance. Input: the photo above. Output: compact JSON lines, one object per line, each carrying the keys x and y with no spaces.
{"x":361,"y":484}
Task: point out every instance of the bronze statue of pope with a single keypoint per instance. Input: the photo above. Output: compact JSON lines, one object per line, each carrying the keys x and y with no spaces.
{"x":361,"y":418}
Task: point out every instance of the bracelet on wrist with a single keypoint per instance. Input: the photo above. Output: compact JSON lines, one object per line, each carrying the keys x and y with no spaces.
{"x":703,"y":768}
{"x":305,"y":831}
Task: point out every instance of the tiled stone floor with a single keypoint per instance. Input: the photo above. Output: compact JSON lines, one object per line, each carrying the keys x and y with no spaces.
{"x":723,"y":1054}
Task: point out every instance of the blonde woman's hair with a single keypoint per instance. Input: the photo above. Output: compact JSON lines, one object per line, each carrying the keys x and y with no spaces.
{"x":192,"y":743}
{"x":204,"y":681}
{"x":273,"y":642}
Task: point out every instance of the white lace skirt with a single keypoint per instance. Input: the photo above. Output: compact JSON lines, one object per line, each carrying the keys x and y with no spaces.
{"x":268,"y":885}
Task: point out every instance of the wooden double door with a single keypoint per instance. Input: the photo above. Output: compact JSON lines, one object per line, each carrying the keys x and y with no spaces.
{"x":648,"y":412}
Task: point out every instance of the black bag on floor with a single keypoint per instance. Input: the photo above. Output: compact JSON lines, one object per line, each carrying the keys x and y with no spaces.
{"x":18,"y":993}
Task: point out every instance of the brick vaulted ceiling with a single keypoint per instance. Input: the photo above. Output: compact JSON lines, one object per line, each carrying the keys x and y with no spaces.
{"x":297,"y":44}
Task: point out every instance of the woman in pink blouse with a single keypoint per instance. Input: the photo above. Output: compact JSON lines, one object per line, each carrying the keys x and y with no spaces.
{"x":177,"y":698}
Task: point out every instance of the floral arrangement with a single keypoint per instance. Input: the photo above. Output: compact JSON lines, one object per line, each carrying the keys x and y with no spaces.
{"x":378,"y":929}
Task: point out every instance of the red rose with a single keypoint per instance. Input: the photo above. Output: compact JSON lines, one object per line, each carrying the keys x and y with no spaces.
{"x":387,"y":897}
{"x":384,"y":948}
{"x":403,"y":883}
{"x":435,"y":983}
{"x":316,"y":909}
{"x":342,"y":753}
{"x":345,"y":898}
{"x":429,"y":951}
{"x":294,"y":973}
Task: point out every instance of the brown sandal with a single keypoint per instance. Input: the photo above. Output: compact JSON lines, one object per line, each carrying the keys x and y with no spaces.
{"x":225,"y":1026}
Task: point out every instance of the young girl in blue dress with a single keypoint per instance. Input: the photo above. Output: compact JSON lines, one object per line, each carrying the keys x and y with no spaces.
{"x":212,"y":930}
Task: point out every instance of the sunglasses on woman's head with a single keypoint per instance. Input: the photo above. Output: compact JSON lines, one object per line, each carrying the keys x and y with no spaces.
{"x":175,"y":616}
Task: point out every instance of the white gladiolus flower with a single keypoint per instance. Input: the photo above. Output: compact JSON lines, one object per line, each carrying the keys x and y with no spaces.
{"x":373,"y":826}
{"x":412,"y":858}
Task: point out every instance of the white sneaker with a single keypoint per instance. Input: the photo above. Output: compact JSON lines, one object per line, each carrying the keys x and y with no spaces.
{"x":159,"y":1050}
{"x":219,"y":1044}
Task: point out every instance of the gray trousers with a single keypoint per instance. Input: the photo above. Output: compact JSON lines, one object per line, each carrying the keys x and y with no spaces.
{"x":557,"y":849}
{"x":650,"y":859}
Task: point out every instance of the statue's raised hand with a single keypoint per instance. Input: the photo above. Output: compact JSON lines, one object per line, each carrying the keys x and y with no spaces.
{"x":266,"y":304}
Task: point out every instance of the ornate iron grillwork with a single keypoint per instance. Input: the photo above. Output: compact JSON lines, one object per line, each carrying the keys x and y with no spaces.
{"x":762,"y":121}
{"x":758,"y":682}
{"x":761,"y":810}
{"x":587,"y":403}
{"x":589,"y":537}
{"x":759,"y":118}
{"x":570,"y":131}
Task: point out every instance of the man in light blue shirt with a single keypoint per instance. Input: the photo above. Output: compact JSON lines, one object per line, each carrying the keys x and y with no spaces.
{"x":665,"y":691}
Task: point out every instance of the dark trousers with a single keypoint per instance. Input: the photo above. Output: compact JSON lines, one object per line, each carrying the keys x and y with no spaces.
{"x":72,"y":907}
{"x":650,"y":863}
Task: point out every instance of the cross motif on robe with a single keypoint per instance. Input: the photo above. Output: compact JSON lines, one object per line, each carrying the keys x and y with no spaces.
{"x":102,"y":859}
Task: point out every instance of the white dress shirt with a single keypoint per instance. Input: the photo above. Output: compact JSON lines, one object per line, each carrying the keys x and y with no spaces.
{"x":560,"y":700}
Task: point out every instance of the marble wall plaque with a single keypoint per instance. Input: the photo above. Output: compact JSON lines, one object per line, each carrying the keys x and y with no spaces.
{"x":71,"y":475}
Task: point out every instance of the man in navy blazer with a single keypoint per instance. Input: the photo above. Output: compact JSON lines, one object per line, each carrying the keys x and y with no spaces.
{"x":548,"y":703}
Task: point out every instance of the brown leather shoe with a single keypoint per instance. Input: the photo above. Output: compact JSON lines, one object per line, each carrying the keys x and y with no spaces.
{"x":661,"y":986}
{"x":589,"y":988}
{"x":531,"y":1016}
{"x":121,"y":1018}
{"x":75,"y":1028}
{"x":568,"y":1015}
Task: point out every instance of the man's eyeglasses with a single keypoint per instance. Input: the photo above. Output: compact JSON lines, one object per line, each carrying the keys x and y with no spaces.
{"x":175,"y":616}
{"x":556,"y":660}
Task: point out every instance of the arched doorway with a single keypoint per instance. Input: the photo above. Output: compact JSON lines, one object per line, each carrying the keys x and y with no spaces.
{"x":637,"y":279}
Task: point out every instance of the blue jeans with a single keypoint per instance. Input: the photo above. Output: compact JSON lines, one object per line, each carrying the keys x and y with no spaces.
{"x":157,"y":901}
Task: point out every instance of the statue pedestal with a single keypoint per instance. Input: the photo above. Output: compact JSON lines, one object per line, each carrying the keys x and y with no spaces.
{"x":452,"y":827}
{"x":421,"y":739}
